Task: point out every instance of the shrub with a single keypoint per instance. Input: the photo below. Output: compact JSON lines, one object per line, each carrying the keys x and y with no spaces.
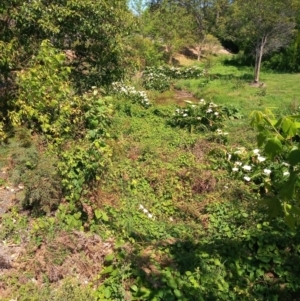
{"x":159,"y":79}
{"x":129,"y":92}
{"x":201,"y":117}
{"x":156,"y":81}
{"x":38,"y":174}
{"x":73,"y":126}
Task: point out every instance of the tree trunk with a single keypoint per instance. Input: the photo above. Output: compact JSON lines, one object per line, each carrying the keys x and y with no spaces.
{"x":258,"y":57}
{"x":199,"y":52}
{"x":170,"y":59}
{"x":170,"y":51}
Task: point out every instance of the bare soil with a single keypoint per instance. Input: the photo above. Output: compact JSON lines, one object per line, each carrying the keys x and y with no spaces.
{"x":181,"y":95}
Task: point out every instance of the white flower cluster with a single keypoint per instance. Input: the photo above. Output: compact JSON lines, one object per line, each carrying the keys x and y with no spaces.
{"x":175,"y":72}
{"x":257,"y":159}
{"x":220,"y":132}
{"x":192,"y":107}
{"x":142,"y":208}
{"x":201,"y":115}
{"x":131,"y":93}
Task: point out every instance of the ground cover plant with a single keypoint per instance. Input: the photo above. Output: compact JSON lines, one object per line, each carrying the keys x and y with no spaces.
{"x":150,"y":200}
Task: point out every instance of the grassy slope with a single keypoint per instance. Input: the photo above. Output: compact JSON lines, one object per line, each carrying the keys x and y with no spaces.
{"x":230,"y":85}
{"x":209,"y":240}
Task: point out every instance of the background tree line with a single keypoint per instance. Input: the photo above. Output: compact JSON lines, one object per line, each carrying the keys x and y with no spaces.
{"x":254,"y":29}
{"x":105,"y":39}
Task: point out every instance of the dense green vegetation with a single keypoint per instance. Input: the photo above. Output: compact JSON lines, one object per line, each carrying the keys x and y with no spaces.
{"x":124,"y":177}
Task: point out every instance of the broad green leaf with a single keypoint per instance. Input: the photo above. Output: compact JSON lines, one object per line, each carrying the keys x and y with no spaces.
{"x":273,"y":147}
{"x":107,"y":270}
{"x":256,"y":118}
{"x":259,"y":272}
{"x":294,"y":157}
{"x":261,"y":139}
{"x":107,"y":292}
{"x":177,"y":293}
{"x":134,"y":288}
{"x":101,"y":215}
{"x":279,"y":122}
{"x":274,"y":206}
{"x":77,"y":215}
{"x":98,"y":213}
{"x":172,"y":283}
{"x":287,"y":191}
{"x":109,"y":258}
{"x":289,"y":128}
{"x":290,"y":221}
{"x":294,"y":116}
{"x":104,"y":217}
{"x":265,"y":259}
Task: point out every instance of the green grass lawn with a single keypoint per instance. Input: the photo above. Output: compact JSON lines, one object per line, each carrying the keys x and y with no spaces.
{"x":227,"y":85}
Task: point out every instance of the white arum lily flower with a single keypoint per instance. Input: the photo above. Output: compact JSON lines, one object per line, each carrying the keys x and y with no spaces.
{"x":201,"y":100}
{"x":256,"y":151}
{"x":225,"y":133}
{"x":267,"y":171}
{"x":240,"y":150}
{"x":145,"y":210}
{"x":261,"y":159}
{"x":150,"y":215}
{"x":141,"y":207}
{"x":247,"y":179}
{"x":219,"y":131}
{"x":209,"y":111}
{"x":235,"y":169}
{"x":286,"y":173}
{"x":247,"y":167}
{"x":184,"y":115}
{"x":238,"y":163}
{"x":285,"y":164}
{"x":216,"y":113}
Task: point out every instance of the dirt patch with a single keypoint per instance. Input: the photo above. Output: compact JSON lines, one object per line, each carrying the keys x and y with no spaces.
{"x":258,"y":85}
{"x":181,"y":96}
{"x":75,"y":253}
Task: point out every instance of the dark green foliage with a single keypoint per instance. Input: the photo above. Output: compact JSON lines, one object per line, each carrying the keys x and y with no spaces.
{"x":287,"y":60}
{"x":37,"y":172}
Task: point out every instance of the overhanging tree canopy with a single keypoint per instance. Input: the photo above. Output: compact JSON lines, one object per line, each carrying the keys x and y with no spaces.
{"x":93,"y":30}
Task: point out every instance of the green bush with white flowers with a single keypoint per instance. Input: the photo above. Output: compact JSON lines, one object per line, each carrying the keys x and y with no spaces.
{"x":201,"y":116}
{"x":160,"y":78}
{"x":129,"y":92}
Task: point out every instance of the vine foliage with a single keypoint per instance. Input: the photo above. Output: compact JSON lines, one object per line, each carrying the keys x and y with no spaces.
{"x":279,"y":139}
